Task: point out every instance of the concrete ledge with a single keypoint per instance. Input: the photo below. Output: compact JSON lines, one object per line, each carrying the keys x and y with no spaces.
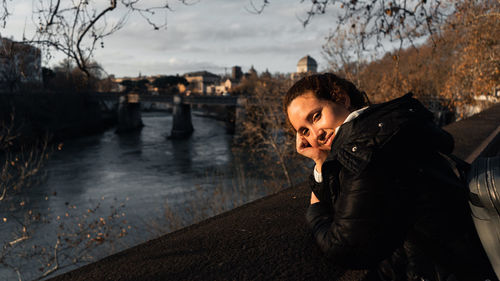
{"x":267,"y":239}
{"x":477,"y":135}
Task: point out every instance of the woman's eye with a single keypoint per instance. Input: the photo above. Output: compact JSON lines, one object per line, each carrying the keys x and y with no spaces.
{"x":317,"y":116}
{"x":305,"y":132}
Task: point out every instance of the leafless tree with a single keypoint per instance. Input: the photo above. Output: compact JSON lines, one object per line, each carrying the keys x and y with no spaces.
{"x":20,"y":167}
{"x":345,"y":55}
{"x":264,"y":130}
{"x":377,"y":21}
{"x":77,"y":28}
{"x":79,"y":236}
{"x":4,"y":12}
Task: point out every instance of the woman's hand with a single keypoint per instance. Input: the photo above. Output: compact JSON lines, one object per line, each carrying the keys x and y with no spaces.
{"x":313,"y":152}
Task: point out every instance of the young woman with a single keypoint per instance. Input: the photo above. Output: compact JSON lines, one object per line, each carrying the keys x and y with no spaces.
{"x":386,"y":199}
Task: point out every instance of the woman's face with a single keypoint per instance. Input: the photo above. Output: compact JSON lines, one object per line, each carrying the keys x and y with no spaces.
{"x":315,"y":120}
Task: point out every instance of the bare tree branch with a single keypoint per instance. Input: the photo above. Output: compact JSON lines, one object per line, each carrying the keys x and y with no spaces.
{"x":257,"y":10}
{"x":77,"y":27}
{"x":56,"y":260}
{"x":4,"y":12}
{"x":20,"y":239}
{"x":82,"y":61}
{"x":54,"y":13}
{"x":393,"y":20}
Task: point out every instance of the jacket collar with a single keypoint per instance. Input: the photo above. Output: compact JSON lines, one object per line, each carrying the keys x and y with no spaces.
{"x":351,"y":116}
{"x":358,"y":139}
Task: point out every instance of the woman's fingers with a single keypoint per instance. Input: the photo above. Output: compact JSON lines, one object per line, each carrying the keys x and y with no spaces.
{"x":309,"y":151}
{"x":301,"y":143}
{"x":306,"y":149}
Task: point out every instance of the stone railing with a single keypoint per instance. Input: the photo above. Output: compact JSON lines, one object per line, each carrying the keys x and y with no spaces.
{"x":267,"y":239}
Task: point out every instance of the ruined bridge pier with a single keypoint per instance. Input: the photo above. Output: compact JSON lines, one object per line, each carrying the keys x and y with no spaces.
{"x":182,"y":125}
{"x":129,"y":115}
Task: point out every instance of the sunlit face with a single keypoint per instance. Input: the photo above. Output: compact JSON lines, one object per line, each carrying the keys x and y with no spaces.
{"x":315,"y":120}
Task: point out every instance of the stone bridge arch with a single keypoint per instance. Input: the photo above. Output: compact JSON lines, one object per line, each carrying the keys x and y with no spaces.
{"x":129,"y":117}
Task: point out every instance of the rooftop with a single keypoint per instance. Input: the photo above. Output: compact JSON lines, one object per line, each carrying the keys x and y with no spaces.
{"x":307,"y":60}
{"x":203,"y":73}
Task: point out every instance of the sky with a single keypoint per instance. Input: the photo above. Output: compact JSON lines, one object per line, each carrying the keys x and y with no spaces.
{"x":211,"y":35}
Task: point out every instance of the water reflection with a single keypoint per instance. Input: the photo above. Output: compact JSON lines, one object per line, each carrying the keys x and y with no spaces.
{"x":144,"y":166}
{"x":143,"y":171}
{"x":182,"y":154}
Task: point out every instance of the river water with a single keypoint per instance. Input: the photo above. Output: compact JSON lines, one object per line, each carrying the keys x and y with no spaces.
{"x":140,"y":184}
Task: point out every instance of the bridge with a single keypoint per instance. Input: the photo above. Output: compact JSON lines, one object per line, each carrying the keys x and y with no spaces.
{"x":129,"y":117}
{"x":208,"y":100}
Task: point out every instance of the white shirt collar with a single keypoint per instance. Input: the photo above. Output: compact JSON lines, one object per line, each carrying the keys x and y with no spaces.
{"x":351,"y":116}
{"x":318,"y":177}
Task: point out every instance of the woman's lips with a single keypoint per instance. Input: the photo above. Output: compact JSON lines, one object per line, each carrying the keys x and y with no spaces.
{"x":329,"y":139}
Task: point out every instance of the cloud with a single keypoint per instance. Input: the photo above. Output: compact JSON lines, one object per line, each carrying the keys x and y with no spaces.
{"x":169,"y":66}
{"x":209,"y":35}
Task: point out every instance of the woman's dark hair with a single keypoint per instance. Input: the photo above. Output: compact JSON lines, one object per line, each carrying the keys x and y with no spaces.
{"x":326,"y":86}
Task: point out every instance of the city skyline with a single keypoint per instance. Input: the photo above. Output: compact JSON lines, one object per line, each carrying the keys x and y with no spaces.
{"x":208,"y":35}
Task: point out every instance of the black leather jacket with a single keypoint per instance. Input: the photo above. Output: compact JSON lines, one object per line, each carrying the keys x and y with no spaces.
{"x":389,"y":199}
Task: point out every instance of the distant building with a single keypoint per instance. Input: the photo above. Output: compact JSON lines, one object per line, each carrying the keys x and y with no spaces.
{"x":266,"y":74}
{"x":252,"y":71}
{"x":224,"y":87}
{"x":202,"y":82}
{"x":236,"y":73}
{"x":19,"y":64}
{"x":306,"y":66}
{"x":199,"y":82}
{"x":228,"y":83}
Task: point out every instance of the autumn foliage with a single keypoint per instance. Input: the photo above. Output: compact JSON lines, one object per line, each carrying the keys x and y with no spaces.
{"x":474,"y":34}
{"x":456,"y":66}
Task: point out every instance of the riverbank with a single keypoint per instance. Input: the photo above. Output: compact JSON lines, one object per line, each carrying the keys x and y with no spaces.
{"x":267,"y":239}
{"x":58,"y":115}
{"x":156,"y":185}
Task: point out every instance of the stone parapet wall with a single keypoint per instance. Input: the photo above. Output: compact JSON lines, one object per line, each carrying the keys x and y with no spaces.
{"x":267,"y":239}
{"x":477,"y":135}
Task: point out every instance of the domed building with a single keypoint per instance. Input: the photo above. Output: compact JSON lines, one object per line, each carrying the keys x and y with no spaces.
{"x":307,"y":64}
